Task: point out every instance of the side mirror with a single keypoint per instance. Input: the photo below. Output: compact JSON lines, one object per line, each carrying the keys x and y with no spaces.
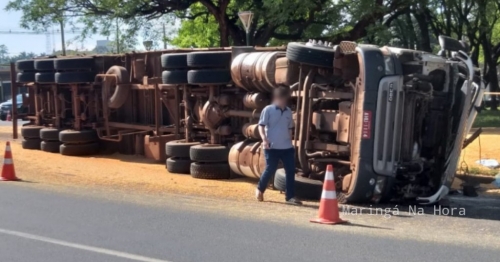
{"x":450,"y":44}
{"x":466,"y":46}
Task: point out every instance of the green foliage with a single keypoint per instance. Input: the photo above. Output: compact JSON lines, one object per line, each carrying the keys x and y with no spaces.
{"x":204,"y":22}
{"x":202,"y":31}
{"x":5,"y":59}
{"x":378,"y":34}
{"x":99,"y":17}
{"x":3,"y":53}
{"x":480,"y":170}
{"x":38,"y":14}
{"x":487,"y":118}
{"x":161,"y":31}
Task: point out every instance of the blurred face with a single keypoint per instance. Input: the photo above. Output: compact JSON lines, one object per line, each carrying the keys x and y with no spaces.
{"x":281,"y":101}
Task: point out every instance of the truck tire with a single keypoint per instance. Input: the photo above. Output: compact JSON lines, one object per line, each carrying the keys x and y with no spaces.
{"x":49,"y":134}
{"x":209,"y":77}
{"x":74,"y":77}
{"x":84,"y":63}
{"x":75,"y":137}
{"x":31,"y":131}
{"x":210,"y":170}
{"x":31,"y":144}
{"x":79,"y":149}
{"x":45,"y":77}
{"x":177,"y":165}
{"x":177,"y":77}
{"x":209,"y":153}
{"x":25,"y":77}
{"x":310,"y":55}
{"x":174,"y":61}
{"x":25,"y":65}
{"x":50,"y":146}
{"x":179,"y":148}
{"x":305,"y":188}
{"x":121,"y":92}
{"x":44,"y":65}
{"x":209,"y":59}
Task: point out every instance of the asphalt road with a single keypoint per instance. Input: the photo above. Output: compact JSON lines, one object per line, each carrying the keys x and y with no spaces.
{"x":40,"y":225}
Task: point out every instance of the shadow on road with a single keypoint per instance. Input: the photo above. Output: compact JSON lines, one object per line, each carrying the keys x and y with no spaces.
{"x":366,"y":226}
{"x":304,"y":205}
{"x":26,"y":181}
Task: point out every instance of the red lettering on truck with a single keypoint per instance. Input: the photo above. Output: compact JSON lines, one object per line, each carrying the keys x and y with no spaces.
{"x":367,"y":125}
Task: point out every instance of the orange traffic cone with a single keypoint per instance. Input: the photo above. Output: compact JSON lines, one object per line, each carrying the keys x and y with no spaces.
{"x":8,"y":172}
{"x":9,"y":117}
{"x":329,"y":206}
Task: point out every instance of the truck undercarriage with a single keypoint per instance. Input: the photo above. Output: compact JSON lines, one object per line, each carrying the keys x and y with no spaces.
{"x":391,"y":121}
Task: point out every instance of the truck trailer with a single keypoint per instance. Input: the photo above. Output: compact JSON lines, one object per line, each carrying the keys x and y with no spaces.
{"x":391,"y":121}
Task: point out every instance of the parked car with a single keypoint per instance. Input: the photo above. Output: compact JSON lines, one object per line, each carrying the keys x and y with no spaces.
{"x":6,"y":107}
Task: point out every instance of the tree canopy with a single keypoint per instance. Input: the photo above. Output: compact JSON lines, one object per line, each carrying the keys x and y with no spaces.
{"x":5,"y":58}
{"x":202,"y":23}
{"x":274,"y":20}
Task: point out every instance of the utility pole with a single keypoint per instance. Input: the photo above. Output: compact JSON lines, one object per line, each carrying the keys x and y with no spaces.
{"x":164,"y":37}
{"x":117,"y":37}
{"x":61,"y":22}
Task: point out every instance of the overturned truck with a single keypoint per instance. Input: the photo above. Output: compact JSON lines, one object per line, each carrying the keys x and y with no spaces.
{"x":391,"y":121}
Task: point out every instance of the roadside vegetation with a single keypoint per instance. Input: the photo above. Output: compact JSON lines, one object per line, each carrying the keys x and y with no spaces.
{"x":487,"y":118}
{"x":482,"y":171}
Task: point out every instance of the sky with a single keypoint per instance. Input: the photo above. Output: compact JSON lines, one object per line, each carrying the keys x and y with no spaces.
{"x":9,"y":21}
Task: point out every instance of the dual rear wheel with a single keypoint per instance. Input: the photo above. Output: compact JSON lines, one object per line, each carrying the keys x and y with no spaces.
{"x":66,"y":142}
{"x":202,"y":161}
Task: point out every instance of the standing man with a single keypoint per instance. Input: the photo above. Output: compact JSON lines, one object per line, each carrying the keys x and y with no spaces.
{"x":275,"y":128}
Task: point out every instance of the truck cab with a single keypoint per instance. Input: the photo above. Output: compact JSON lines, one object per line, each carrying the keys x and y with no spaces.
{"x":400,"y":134}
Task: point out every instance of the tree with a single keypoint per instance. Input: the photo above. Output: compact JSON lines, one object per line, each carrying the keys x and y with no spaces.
{"x":161,"y":30}
{"x":40,"y":14}
{"x":6,"y":59}
{"x":4,"y":51}
{"x":488,"y":15}
{"x":275,"y":20}
{"x":200,"y":31}
{"x":478,"y":20}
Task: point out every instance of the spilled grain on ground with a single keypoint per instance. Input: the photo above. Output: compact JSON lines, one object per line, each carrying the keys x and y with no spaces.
{"x":123,"y":172}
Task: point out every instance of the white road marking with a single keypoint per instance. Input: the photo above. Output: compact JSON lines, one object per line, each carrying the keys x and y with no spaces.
{"x":81,"y":247}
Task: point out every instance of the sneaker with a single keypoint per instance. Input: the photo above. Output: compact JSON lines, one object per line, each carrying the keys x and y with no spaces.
{"x":293,"y":201}
{"x":259,"y":195}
